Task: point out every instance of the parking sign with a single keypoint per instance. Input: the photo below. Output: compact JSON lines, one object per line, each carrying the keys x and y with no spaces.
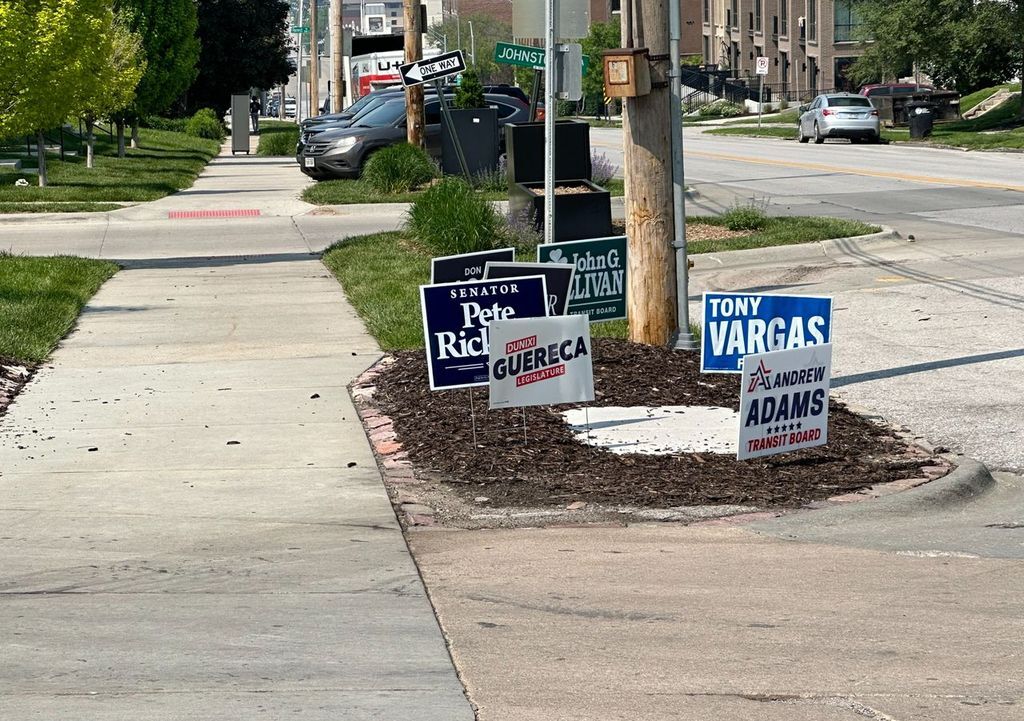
{"x":762,"y":66}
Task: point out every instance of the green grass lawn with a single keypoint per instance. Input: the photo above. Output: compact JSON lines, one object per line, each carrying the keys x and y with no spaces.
{"x":345,"y":192}
{"x":278,"y":138}
{"x":786,"y":117}
{"x":767,"y":131}
{"x":381,"y":273}
{"x":40,"y":298}
{"x":166,"y":163}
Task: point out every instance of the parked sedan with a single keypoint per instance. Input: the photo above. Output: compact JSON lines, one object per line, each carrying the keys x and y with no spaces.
{"x":342,"y":153}
{"x":839,"y":115}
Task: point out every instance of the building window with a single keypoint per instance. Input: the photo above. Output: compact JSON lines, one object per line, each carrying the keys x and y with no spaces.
{"x":784,"y":18}
{"x":735,"y":21}
{"x":616,"y":7}
{"x":707,"y":11}
{"x":758,"y":27}
{"x":846,"y":21}
{"x":812,"y":20}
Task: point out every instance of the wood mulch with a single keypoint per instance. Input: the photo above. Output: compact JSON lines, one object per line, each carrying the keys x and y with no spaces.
{"x":13,"y":377}
{"x":435,"y":429}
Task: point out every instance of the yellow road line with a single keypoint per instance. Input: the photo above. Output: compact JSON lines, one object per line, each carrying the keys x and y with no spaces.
{"x":854,"y":171}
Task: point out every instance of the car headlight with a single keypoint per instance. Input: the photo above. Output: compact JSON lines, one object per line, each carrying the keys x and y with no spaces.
{"x":344,"y":143}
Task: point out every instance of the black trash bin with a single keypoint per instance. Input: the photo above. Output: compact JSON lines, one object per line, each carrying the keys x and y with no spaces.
{"x":921,"y":116}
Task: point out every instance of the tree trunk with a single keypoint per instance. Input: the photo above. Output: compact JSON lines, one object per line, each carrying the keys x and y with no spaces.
{"x":120,"y":139}
{"x":41,"y":157}
{"x":90,"y":143}
{"x":135,"y":133}
{"x":651,"y":296}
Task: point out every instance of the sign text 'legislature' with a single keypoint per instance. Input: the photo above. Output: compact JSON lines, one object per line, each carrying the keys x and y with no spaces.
{"x":599,"y":288}
{"x":541,"y":361}
{"x":456,"y":317}
{"x":784,"y":401}
{"x":738,"y":324}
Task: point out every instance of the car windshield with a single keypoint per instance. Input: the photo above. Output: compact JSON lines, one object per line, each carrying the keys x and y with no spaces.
{"x":365,"y":103}
{"x":849,"y":102}
{"x":385,"y":114}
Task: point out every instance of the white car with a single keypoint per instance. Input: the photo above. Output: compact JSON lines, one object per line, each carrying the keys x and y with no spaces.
{"x":289,"y":107}
{"x":839,"y":115}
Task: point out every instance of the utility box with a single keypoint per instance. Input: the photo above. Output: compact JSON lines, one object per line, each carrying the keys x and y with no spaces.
{"x":240,"y":123}
{"x":627,"y":72}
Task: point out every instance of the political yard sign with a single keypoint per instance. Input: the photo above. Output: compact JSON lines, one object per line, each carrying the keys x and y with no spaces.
{"x":557,"y":278}
{"x":456,"y":317}
{"x":784,"y":400}
{"x":467,"y":266}
{"x":738,"y":324}
{"x":541,"y":361}
{"x":599,"y":288}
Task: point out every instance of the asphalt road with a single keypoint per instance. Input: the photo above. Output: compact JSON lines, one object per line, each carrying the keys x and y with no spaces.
{"x":929,"y":332}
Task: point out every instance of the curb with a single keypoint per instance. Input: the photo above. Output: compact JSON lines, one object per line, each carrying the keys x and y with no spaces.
{"x":791,"y":253}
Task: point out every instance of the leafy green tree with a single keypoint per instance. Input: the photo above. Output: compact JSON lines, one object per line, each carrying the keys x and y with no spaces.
{"x":602,"y":36}
{"x":487,"y":32}
{"x":117,"y":76}
{"x":49,"y":53}
{"x":243,"y":45}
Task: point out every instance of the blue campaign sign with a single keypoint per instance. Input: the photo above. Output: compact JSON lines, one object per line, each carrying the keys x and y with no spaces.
{"x":738,"y":324}
{"x":456,"y":317}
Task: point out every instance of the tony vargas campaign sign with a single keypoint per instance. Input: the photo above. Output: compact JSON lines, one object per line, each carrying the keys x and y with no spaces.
{"x":599,"y":288}
{"x":541,"y":361}
{"x":738,"y":324}
{"x":456,"y":317}
{"x":784,"y":400}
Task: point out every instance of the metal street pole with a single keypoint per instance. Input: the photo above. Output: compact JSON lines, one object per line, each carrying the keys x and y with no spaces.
{"x":682,"y":339}
{"x":314,"y":62}
{"x":472,"y":43}
{"x":549,"y":121}
{"x":298,"y":71}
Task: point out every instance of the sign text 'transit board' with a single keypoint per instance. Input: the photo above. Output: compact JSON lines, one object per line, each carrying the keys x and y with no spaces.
{"x":541,"y":361}
{"x":557,"y":278}
{"x":738,"y":324}
{"x":456,"y":317}
{"x":599,"y":288}
{"x":784,"y":400}
{"x":467,"y":266}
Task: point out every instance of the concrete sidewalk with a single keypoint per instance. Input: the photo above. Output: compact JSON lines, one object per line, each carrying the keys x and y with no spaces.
{"x":194,"y":524}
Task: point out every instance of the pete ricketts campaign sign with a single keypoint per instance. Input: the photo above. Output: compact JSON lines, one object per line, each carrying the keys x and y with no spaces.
{"x":456,"y":317}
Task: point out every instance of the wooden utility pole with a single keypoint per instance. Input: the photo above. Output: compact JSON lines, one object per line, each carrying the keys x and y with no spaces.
{"x":413,"y":52}
{"x":314,"y":63}
{"x":337,"y":71}
{"x":651,"y":297}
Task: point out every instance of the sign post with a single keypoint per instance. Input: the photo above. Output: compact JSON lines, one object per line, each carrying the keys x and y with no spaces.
{"x":761,"y":69}
{"x":550,"y":114}
{"x":435,"y":70}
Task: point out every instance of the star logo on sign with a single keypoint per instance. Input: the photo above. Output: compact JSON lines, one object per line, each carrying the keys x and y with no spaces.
{"x":759,"y":378}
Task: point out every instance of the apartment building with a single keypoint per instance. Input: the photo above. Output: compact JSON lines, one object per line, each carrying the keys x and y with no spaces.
{"x":809,"y":44}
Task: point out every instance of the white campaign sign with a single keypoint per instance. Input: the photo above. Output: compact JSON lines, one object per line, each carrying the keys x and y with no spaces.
{"x":540,"y":361}
{"x":784,"y":400}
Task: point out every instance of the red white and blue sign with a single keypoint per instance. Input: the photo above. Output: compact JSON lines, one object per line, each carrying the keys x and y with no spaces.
{"x":740,"y":324}
{"x":456,"y":317}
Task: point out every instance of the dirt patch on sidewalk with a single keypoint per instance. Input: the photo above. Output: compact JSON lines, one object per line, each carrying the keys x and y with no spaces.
{"x":13,"y":377}
{"x":552,"y":469}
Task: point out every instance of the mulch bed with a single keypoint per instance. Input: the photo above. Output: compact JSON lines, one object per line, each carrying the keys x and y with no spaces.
{"x":553,"y":468}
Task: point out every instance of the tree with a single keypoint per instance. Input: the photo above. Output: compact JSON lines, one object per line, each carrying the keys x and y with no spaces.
{"x":602,"y":36}
{"x":168,"y":32}
{"x":962,"y":44}
{"x":469,"y":93}
{"x":116,"y":78}
{"x":243,"y":45}
{"x":487,"y":32}
{"x":49,"y":51}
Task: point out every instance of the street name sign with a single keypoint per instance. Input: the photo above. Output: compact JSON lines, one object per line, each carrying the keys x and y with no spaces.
{"x":599,"y":288}
{"x":738,"y":324}
{"x":435,"y":68}
{"x":784,"y":401}
{"x":467,"y":266}
{"x":300,"y":29}
{"x":456,"y":317}
{"x":525,"y":56}
{"x":540,"y":361}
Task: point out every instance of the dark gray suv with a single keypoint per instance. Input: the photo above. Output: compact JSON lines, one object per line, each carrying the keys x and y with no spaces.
{"x":342,"y":153}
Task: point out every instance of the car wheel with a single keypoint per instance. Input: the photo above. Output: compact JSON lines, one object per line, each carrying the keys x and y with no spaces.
{"x":818,"y":137}
{"x":800,"y":134}
{"x":875,"y":139}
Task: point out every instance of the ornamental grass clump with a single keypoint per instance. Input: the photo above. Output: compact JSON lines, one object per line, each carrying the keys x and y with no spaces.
{"x":451,"y":218}
{"x":398,"y":169}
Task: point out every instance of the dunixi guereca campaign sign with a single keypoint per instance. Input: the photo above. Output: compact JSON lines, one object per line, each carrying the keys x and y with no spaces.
{"x":541,"y":361}
{"x":456,"y":317}
{"x":784,"y":400}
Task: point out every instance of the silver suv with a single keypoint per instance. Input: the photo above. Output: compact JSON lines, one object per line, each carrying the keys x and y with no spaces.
{"x":839,"y":115}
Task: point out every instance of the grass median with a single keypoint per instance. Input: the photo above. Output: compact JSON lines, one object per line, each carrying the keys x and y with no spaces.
{"x":165,"y":163}
{"x":277,"y":138}
{"x":348,"y":192}
{"x":381,"y":273}
{"x":40,"y":298}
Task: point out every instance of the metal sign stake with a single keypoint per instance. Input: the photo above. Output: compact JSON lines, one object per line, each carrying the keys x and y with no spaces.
{"x":550,"y":112}
{"x":451,"y":130}
{"x":535,"y":95}
{"x":472,"y":415}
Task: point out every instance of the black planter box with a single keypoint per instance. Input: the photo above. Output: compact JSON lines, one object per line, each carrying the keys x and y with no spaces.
{"x":477,"y":129}
{"x":524,"y":148}
{"x":577,"y":215}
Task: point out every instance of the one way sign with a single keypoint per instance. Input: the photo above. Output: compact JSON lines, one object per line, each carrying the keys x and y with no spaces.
{"x":440,"y":66}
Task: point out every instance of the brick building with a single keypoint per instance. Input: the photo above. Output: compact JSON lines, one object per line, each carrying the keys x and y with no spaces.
{"x":809,"y":43}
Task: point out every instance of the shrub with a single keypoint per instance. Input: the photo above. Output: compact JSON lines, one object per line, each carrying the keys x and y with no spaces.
{"x":206,"y":124}
{"x":174,"y":125}
{"x":783,"y":105}
{"x":745,"y":217}
{"x":398,"y":169}
{"x":492,"y":180}
{"x":602,"y":169}
{"x":450,"y":218}
{"x":277,"y":138}
{"x":721,"y":109}
{"x":469,"y":93}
